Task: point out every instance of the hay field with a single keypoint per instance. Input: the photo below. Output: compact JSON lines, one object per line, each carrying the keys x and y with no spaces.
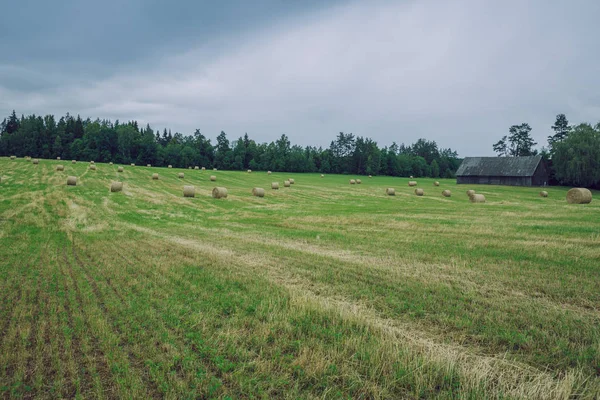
{"x":320,"y":290}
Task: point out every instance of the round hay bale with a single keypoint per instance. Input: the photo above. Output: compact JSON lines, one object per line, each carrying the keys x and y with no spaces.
{"x":249,"y":171}
{"x":477,"y":198}
{"x":155,"y":177}
{"x":370,"y":176}
{"x":411,"y":177}
{"x":120,"y":169}
{"x":60,"y":167}
{"x":219,"y":193}
{"x":412,"y":183}
{"x":470,"y":192}
{"x":116,"y":187}
{"x":543,"y":193}
{"x":72,"y":181}
{"x":390,"y":191}
{"x":214,"y":169}
{"x":132,"y":164}
{"x":91,"y":162}
{"x":358,"y":181}
{"x":436,"y":183}
{"x":268,"y":172}
{"x":93,"y":167}
{"x":203,"y":168}
{"x":322,"y":176}
{"x":352,"y":181}
{"x":73,"y":161}
{"x":190,"y":167}
{"x":189,"y":191}
{"x":579,"y":196}
{"x":258,"y":192}
{"x":291,"y":181}
{"x":180,"y":175}
{"x":274,"y":185}
{"x":149,"y":165}
{"x":170,"y":166}
{"x":197,"y":167}
{"x":286,"y":183}
{"x":446,"y":193}
{"x":35,"y":161}
{"x":110,"y":163}
{"x":12,"y":157}
{"x":58,"y":158}
{"x":419,"y":192}
{"x":213,"y":178}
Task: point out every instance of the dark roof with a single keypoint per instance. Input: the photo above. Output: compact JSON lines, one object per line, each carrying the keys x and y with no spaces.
{"x":498,"y":166}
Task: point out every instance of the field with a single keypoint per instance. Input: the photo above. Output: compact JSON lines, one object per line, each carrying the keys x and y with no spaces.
{"x":321,"y":290}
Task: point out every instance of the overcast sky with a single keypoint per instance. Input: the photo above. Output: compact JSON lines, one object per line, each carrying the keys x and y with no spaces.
{"x":456,"y":71}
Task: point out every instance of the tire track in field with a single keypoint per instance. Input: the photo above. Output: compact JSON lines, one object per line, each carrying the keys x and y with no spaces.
{"x":103,"y":368}
{"x":32,"y":339}
{"x":69,"y":388}
{"x":153,"y":390}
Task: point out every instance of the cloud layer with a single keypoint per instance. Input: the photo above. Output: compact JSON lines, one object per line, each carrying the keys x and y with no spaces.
{"x":460,"y":72}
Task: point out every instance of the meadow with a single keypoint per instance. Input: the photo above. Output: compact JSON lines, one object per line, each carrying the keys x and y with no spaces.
{"x":320,"y":290}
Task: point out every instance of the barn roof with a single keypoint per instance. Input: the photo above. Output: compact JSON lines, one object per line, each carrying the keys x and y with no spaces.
{"x":499,"y":166}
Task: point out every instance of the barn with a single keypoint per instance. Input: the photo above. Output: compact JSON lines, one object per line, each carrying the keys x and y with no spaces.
{"x":512,"y":171}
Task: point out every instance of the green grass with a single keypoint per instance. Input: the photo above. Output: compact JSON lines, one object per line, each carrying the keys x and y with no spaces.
{"x":321,"y":290}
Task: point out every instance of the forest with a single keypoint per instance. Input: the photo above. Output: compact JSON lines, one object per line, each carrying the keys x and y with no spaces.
{"x":104,"y":141}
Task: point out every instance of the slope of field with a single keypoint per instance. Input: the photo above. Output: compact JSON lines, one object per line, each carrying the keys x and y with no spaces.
{"x":321,"y":290}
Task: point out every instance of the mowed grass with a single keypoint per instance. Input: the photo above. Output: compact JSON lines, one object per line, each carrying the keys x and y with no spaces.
{"x":321,"y":290}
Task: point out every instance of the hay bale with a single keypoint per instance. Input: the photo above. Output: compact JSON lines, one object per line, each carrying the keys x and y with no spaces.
{"x":214,"y":169}
{"x":390,"y":191}
{"x":470,"y":192}
{"x":579,"y":196}
{"x":190,"y":167}
{"x":352,"y":181}
{"x":358,"y":181}
{"x":58,"y":158}
{"x":170,"y":166}
{"x":72,"y":181}
{"x":286,"y":183}
{"x":274,"y":185}
{"x":436,"y":183}
{"x":322,"y":176}
{"x":291,"y":181}
{"x":370,"y":176}
{"x":477,"y":198}
{"x":91,"y":162}
{"x":120,"y":169}
{"x":93,"y":167}
{"x":213,"y":178}
{"x":412,"y":183}
{"x":60,"y":167}
{"x":268,"y":172}
{"x":180,"y":175}
{"x":543,"y":193}
{"x":12,"y":157}
{"x":419,"y":192}
{"x":219,"y":193}
{"x":73,"y":161}
{"x":197,"y":168}
{"x":203,"y":168}
{"x":446,"y":193}
{"x":258,"y":192}
{"x":249,"y":171}
{"x":411,"y":177}
{"x":116,"y":187}
{"x":149,"y":165}
{"x":189,"y":191}
{"x":132,"y":164}
{"x":155,"y":177}
{"x":35,"y":161}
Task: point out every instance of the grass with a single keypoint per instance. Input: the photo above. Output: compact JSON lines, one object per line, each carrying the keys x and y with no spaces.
{"x":321,"y":290}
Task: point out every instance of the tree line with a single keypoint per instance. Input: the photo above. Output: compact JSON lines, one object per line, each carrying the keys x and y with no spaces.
{"x":573,"y":152}
{"x":104,"y":141}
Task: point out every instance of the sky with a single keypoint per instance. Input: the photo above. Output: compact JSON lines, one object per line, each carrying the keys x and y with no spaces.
{"x":459,"y":72}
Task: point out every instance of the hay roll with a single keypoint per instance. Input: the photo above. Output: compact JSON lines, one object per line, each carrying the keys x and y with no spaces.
{"x":197,"y":167}
{"x":214,"y":169}
{"x":213,"y":178}
{"x":110,"y":163}
{"x":60,"y":167}
{"x":543,"y":193}
{"x":73,"y":161}
{"x":180,"y":175}
{"x":92,"y":167}
{"x":436,"y":183}
{"x":116,"y":187}
{"x":579,"y":196}
{"x":155,"y":177}
{"x":286,"y":183}
{"x":12,"y":157}
{"x":72,"y":181}
{"x":268,"y":172}
{"x":219,"y":193}
{"x":120,"y":169}
{"x":291,"y":181}
{"x":35,"y":161}
{"x":189,"y":191}
{"x":322,"y":176}
{"x":411,"y":177}
{"x":58,"y":158}
{"x":274,"y":185}
{"x":149,"y":165}
{"x":91,"y":162}
{"x":249,"y":171}
{"x":358,"y":181}
{"x":189,"y":167}
{"x":470,"y":193}
{"x":412,"y":183}
{"x":258,"y":192}
{"x":352,"y":181}
{"x":419,"y":192}
{"x":390,"y":191}
{"x":446,"y":193}
{"x":203,"y":168}
{"x":132,"y":164}
{"x":170,"y":166}
{"x":477,"y":198}
{"x":370,"y":176}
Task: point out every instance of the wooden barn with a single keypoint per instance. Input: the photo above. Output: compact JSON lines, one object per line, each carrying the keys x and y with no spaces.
{"x":512,"y":171}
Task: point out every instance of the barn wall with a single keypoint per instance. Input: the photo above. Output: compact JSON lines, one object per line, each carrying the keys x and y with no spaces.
{"x":540,"y":176}
{"x":495,"y":180}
